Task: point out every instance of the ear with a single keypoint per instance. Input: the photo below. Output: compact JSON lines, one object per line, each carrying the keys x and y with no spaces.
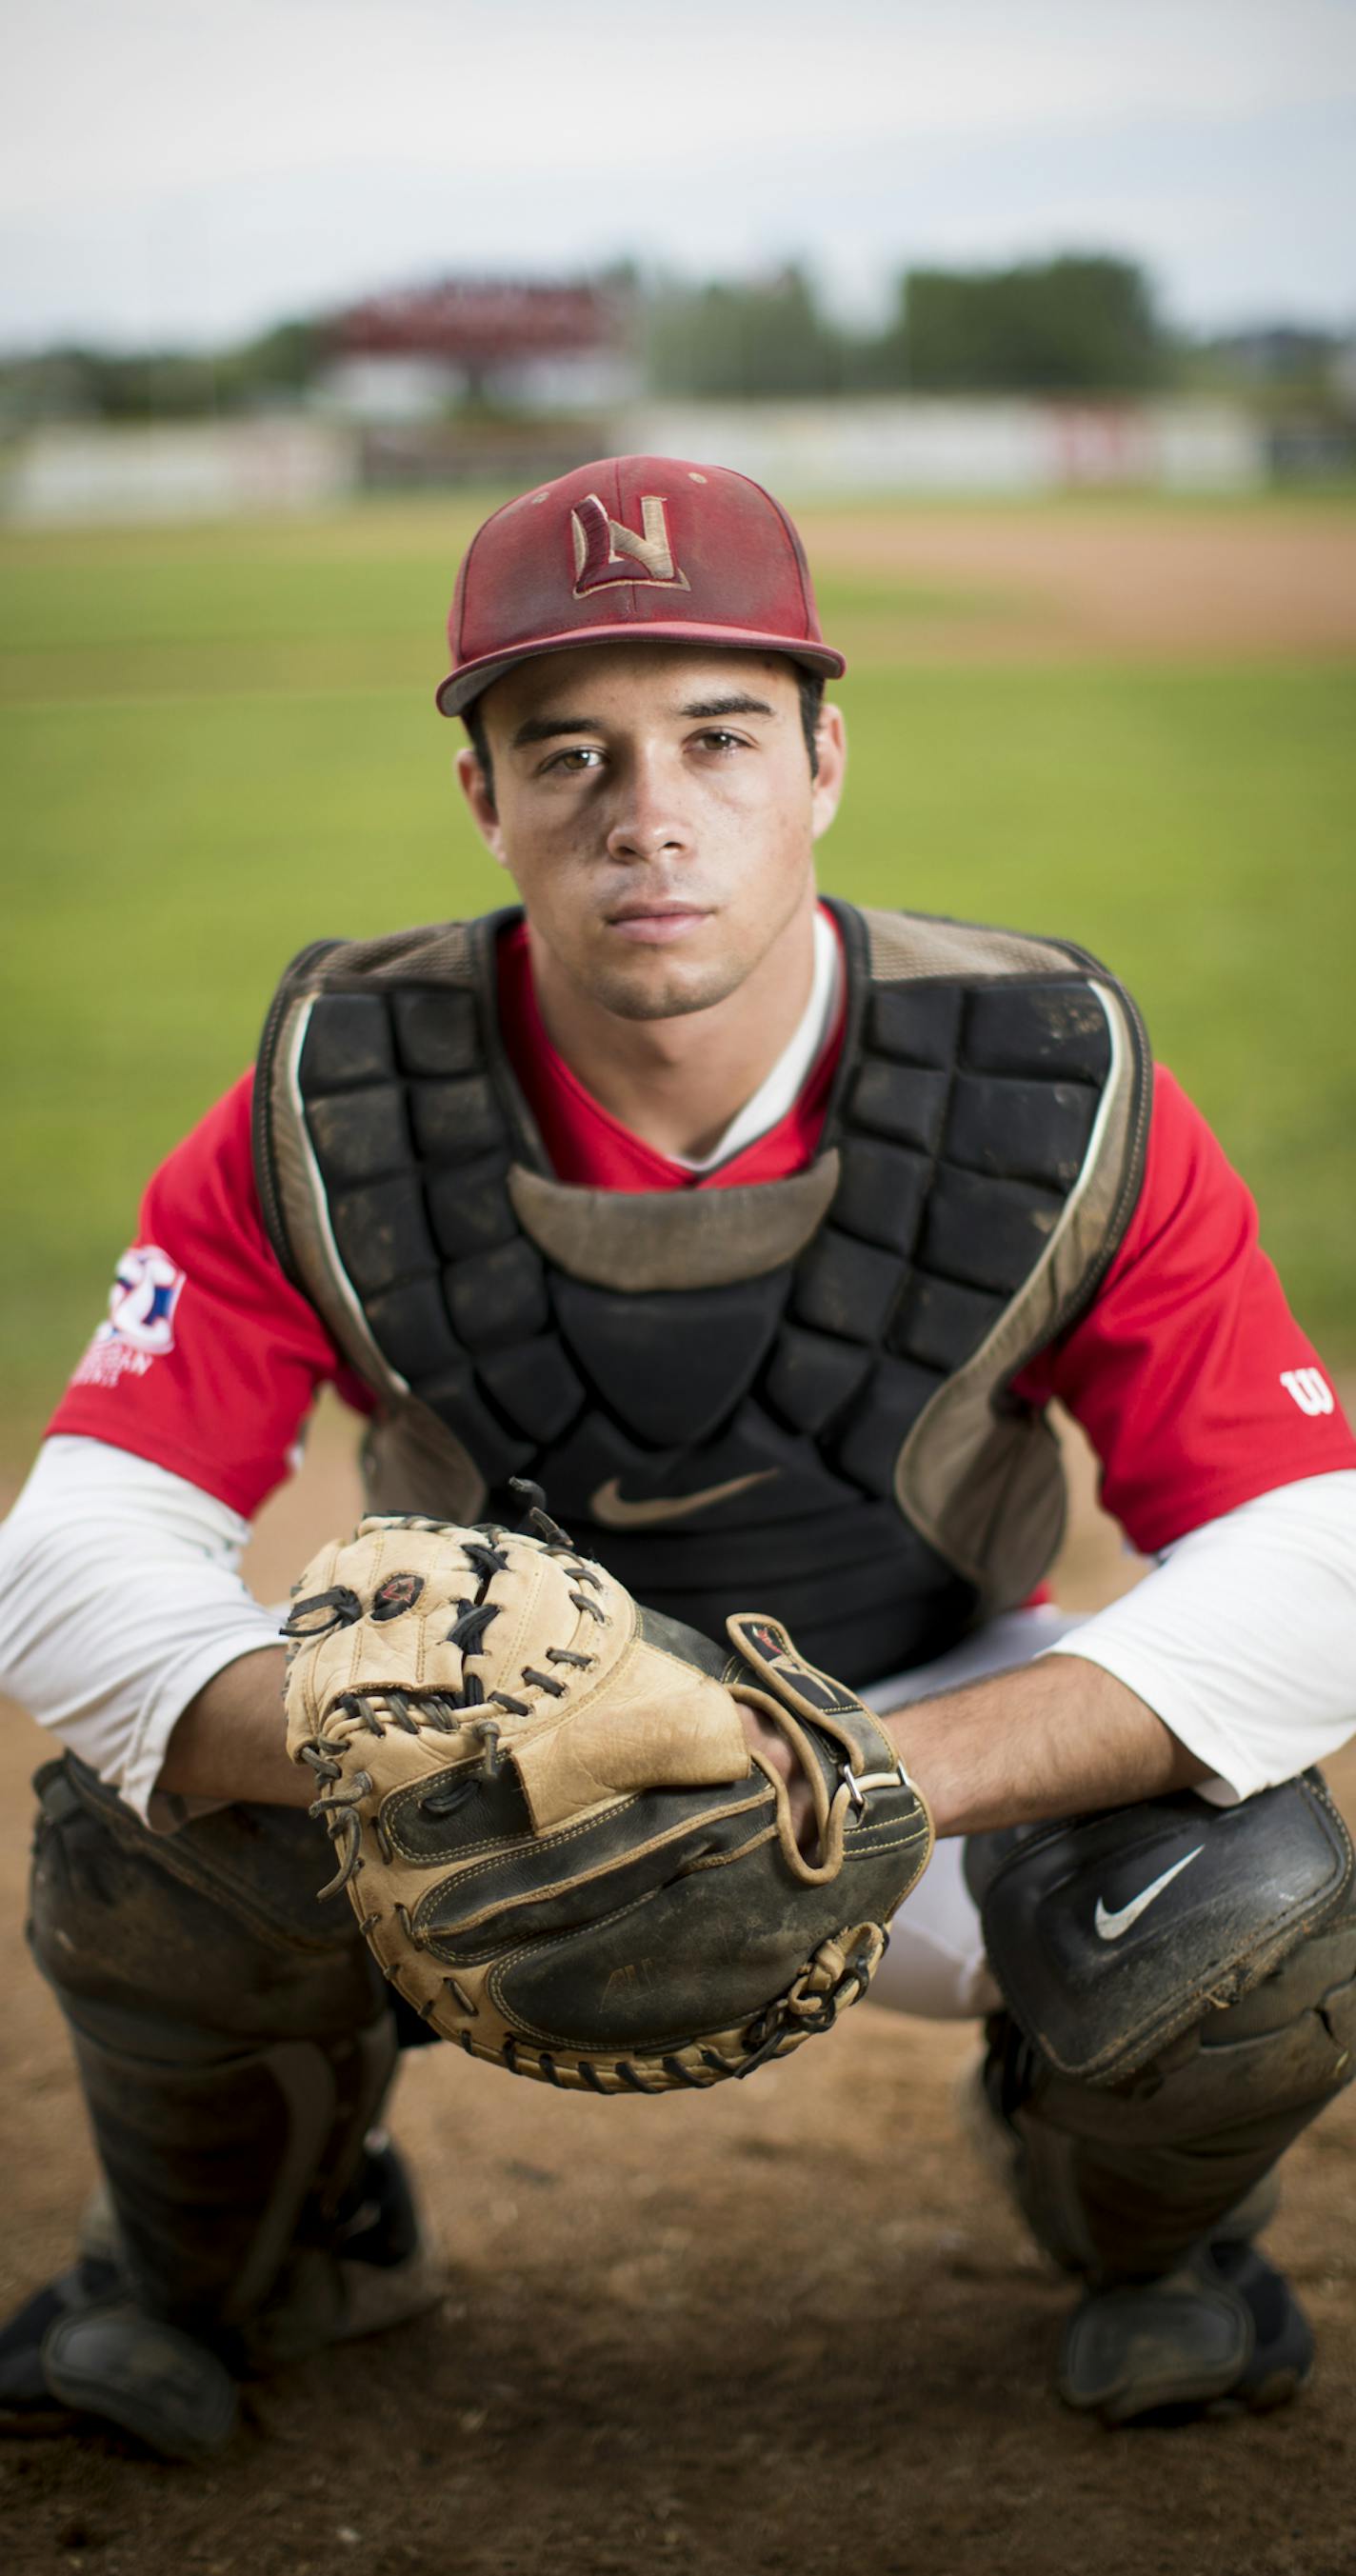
{"x":471,"y":778}
{"x":827,"y":786}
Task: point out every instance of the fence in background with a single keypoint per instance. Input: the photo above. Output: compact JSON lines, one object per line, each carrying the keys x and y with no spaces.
{"x":177,"y":470}
{"x":197,"y":470}
{"x":925,"y":445}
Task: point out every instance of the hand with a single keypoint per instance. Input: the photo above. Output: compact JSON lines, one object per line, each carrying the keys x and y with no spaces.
{"x":767,"y":1739}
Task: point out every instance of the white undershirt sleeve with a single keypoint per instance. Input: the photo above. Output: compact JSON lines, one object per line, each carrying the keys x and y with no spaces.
{"x":120,"y":1596}
{"x":1243,"y":1639}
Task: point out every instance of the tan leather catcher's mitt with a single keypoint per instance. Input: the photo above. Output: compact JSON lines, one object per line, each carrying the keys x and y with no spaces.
{"x":550,"y":1825}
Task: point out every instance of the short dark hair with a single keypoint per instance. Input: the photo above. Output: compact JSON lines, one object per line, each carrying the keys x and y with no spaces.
{"x":809,"y":686}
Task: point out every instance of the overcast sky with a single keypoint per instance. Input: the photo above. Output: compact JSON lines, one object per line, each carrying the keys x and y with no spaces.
{"x":176,"y":169}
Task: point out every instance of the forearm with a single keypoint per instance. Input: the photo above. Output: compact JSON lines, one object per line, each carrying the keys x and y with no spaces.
{"x":231,"y":1739}
{"x":1054,"y":1738}
{"x":1233,"y":1658}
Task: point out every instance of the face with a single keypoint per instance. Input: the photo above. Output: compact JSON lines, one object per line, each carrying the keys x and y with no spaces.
{"x":655,"y":808}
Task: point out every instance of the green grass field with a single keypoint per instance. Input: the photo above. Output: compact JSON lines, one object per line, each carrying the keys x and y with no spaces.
{"x":220,"y":743}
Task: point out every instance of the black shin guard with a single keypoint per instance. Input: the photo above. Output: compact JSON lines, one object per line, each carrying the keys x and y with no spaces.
{"x":233,"y":2039}
{"x":1238,"y":2024}
{"x":221,"y":2161}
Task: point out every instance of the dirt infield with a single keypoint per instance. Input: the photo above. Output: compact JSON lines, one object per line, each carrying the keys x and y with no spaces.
{"x":787,"y":2327}
{"x":1109,"y":581}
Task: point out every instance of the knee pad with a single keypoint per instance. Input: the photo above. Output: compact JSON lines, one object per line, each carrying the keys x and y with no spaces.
{"x":1174,"y":1968}
{"x":218,"y":1926}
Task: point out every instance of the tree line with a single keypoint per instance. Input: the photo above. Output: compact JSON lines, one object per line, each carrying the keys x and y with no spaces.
{"x":1071,"y":325}
{"x":1078,"y":325}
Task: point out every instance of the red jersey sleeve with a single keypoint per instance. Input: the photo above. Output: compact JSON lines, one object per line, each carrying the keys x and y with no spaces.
{"x":209,"y":1359}
{"x":1189,"y":1373}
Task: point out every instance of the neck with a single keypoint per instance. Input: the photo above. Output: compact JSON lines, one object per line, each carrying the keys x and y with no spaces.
{"x":678,"y":1083}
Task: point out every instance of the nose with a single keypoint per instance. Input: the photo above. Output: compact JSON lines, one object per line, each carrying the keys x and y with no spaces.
{"x":648,"y":821}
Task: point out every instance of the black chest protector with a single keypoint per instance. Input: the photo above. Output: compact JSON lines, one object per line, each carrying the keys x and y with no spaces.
{"x":793,"y":1397}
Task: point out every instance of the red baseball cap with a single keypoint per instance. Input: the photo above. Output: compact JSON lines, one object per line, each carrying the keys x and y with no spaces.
{"x":632,"y":550}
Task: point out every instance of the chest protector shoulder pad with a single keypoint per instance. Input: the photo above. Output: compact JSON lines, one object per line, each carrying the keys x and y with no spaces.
{"x":793,"y":1397}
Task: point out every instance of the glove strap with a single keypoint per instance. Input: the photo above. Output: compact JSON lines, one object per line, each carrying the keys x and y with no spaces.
{"x":870,"y":1774}
{"x":870,"y":1761}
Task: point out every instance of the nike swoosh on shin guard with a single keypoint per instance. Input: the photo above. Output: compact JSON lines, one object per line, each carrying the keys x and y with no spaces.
{"x":1110,"y":1925}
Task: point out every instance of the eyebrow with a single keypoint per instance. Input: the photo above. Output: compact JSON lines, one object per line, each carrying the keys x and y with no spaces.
{"x":737,"y":704}
{"x":699,"y":711}
{"x":544,"y":728}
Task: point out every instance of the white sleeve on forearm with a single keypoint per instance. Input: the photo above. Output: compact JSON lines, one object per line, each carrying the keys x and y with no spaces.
{"x":120,"y":1596}
{"x":1243,"y":1639}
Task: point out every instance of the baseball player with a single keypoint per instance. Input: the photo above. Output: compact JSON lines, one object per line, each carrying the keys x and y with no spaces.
{"x":760,"y":1232}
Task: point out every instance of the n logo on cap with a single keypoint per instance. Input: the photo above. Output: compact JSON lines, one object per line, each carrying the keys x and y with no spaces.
{"x":606,"y":550}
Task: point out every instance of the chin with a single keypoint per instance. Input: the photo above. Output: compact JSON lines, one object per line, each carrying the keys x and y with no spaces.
{"x":664,"y":989}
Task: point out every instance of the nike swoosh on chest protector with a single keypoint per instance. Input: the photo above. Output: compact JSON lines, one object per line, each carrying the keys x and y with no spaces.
{"x":1110,"y":1925}
{"x":609,"y":1506}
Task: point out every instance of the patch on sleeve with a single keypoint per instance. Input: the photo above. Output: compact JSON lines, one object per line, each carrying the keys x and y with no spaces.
{"x":1309,"y":1389}
{"x":139,"y":1329}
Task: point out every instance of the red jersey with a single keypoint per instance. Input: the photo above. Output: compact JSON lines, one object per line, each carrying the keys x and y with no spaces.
{"x":1189,"y":1374}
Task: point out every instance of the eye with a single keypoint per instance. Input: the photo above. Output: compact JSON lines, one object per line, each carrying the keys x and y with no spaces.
{"x":718,"y":738}
{"x":574,"y":763}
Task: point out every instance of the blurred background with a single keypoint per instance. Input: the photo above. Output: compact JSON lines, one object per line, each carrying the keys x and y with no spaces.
{"x":1043,"y":321}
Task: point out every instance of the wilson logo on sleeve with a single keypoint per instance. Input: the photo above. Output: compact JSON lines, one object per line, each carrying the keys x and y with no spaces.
{"x":1310,"y":1389}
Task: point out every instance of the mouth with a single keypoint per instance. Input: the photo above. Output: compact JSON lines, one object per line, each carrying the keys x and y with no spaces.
{"x":652,"y":921}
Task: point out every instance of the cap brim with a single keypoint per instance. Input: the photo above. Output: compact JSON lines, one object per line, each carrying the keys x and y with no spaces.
{"x":456,"y":692}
